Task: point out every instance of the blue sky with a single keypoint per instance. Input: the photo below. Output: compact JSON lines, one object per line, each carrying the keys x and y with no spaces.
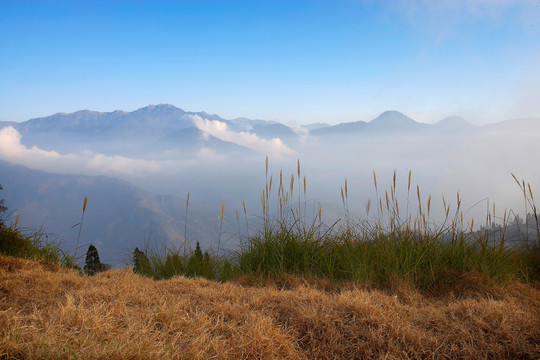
{"x":290,"y":61}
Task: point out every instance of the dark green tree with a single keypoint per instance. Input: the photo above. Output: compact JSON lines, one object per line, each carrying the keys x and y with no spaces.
{"x":198,"y":255}
{"x":141,"y":264}
{"x":93,"y":265}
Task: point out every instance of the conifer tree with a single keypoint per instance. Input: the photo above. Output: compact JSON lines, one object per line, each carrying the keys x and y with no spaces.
{"x":198,"y":253}
{"x":141,"y":264}
{"x":93,"y":265}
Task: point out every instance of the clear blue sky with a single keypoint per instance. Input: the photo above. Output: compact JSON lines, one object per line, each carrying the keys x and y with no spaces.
{"x":291,"y":61}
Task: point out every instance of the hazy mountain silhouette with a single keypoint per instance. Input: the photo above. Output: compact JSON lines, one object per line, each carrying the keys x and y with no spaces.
{"x":454,"y":123}
{"x":122,"y":132}
{"x":119,"y":216}
{"x":387,"y":122}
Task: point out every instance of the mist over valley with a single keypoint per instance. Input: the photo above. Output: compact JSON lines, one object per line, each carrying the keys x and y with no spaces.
{"x":138,"y":167}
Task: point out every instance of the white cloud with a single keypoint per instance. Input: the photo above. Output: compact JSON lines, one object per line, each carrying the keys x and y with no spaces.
{"x":121,"y":164}
{"x":206,"y":153}
{"x":11,"y":149}
{"x":273,"y":147}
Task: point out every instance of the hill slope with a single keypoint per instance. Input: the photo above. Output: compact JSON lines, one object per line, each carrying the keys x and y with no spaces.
{"x":118,"y":218}
{"x":50,"y":312}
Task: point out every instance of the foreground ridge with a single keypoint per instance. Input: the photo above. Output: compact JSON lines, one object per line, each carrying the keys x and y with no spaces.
{"x":47,"y":311}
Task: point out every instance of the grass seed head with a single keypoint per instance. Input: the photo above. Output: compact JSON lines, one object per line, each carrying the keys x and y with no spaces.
{"x":222,"y":212}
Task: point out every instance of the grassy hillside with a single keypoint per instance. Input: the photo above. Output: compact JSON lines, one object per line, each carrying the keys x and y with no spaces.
{"x":394,"y":286}
{"x":47,"y":311}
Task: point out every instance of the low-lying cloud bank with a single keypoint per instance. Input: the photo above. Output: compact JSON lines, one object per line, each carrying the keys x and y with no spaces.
{"x":273,"y":147}
{"x":477,"y":164}
{"x":11,"y":149}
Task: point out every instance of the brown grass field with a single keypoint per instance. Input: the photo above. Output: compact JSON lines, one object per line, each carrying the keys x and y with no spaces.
{"x":49,"y":312}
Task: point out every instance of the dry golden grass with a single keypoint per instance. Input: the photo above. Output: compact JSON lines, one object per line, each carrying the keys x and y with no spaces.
{"x":50,"y":312}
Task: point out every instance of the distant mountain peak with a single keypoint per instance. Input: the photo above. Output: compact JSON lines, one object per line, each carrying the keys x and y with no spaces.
{"x":158,"y":107}
{"x":84,"y":112}
{"x":453,"y":120}
{"x":392,"y":117}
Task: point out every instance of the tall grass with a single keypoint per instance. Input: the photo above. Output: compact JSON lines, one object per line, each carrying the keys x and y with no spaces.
{"x":388,"y":246}
{"x":26,"y":243}
{"x":391,"y":243}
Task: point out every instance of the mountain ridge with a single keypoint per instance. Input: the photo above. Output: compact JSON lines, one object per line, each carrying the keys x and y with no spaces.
{"x":119,"y":216}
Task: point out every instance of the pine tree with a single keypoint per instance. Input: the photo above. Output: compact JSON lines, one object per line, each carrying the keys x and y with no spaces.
{"x":141,"y":264}
{"x":93,"y":265}
{"x":198,"y":253}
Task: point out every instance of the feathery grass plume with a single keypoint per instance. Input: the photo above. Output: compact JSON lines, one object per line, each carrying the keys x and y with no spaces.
{"x":246,"y":217}
{"x":185,"y":223}
{"x":238,"y":223}
{"x":408,"y":191}
{"x":263,"y":204}
{"x":380,"y":207}
{"x":419,"y":201}
{"x":220,"y":225}
{"x":305,"y":199}
{"x":529,"y":199}
{"x":16,"y":220}
{"x":299,"y":190}
{"x":80,"y":225}
{"x":394,"y":180}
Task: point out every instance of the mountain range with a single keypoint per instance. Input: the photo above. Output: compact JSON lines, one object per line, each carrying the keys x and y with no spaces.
{"x":156,"y":128}
{"x":164,"y":149}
